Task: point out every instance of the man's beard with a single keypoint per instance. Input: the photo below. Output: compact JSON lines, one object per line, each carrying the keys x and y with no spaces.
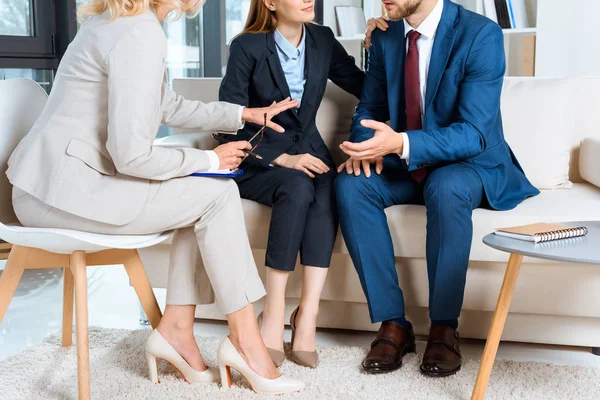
{"x":402,"y":11}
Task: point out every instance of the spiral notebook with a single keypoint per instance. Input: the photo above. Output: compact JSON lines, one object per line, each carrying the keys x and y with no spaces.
{"x":542,"y":232}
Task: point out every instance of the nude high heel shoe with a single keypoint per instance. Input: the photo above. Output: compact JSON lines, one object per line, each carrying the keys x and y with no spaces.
{"x":158,"y":347}
{"x":276,"y":356}
{"x":308,"y":359}
{"x":229,"y":357}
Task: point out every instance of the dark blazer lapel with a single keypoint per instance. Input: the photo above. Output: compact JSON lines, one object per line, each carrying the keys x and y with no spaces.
{"x":275,"y":66}
{"x":442,"y":48}
{"x":312,"y":72}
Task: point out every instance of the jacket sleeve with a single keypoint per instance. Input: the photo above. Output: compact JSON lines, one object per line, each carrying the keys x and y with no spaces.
{"x":374,"y":96}
{"x":136,"y":75}
{"x":234,"y":89}
{"x":343,"y":70}
{"x":477,"y":107}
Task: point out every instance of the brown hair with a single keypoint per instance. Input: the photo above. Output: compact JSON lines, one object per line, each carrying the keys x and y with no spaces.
{"x":260,"y":19}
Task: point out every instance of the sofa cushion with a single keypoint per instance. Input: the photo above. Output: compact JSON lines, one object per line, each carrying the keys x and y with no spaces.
{"x":407,"y":222}
{"x":589,"y":160}
{"x":538,"y":119}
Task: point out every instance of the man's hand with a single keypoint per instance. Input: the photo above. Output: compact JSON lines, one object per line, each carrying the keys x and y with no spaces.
{"x":306,"y":163}
{"x":385,"y":141}
{"x":257,"y":115}
{"x":231,"y":154}
{"x":372,"y":24}
{"x":352,"y":166}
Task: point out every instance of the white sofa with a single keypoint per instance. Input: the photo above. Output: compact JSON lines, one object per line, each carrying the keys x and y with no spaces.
{"x":545,"y":121}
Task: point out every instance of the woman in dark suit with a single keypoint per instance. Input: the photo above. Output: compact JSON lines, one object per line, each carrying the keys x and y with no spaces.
{"x":282,"y":54}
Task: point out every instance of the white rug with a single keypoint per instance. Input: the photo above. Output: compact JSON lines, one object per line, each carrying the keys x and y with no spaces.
{"x":119,"y":371}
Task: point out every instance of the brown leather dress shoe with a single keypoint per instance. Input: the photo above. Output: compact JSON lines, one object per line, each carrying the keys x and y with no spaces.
{"x":442,"y":355}
{"x":392,"y":343}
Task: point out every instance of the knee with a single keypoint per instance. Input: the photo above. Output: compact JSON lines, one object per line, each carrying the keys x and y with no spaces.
{"x":298,"y":189}
{"x":351,"y":187}
{"x":445,"y":190}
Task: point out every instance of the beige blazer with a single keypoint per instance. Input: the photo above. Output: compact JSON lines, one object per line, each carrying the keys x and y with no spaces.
{"x":91,"y":151}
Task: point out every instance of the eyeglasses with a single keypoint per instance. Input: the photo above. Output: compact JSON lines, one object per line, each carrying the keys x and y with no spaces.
{"x":260,"y":134}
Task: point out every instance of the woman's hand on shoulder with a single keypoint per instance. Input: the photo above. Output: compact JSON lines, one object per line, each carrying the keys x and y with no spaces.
{"x":263,"y":116}
{"x":372,"y":24}
{"x":306,"y":163}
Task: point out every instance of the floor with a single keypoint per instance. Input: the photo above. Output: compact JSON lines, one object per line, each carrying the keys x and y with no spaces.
{"x":36,"y":311}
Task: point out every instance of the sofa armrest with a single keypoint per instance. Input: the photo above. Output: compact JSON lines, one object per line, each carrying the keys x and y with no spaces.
{"x":198,"y":140}
{"x":589,"y":161}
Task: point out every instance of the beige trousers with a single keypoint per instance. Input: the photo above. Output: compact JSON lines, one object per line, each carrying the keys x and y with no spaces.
{"x":210,"y":237}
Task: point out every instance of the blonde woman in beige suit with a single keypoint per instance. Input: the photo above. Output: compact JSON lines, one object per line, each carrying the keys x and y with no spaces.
{"x":89,"y":163}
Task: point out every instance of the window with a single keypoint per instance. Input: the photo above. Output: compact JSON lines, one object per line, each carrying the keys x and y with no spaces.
{"x":15,"y":18}
{"x":236,"y":15}
{"x":27,"y":29}
{"x":44,"y":77}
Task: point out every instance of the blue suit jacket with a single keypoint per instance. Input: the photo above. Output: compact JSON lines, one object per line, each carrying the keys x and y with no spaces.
{"x":255,"y":78}
{"x":462,"y":121}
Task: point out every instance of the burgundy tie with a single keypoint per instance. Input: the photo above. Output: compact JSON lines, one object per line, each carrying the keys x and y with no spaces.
{"x":413,"y":94}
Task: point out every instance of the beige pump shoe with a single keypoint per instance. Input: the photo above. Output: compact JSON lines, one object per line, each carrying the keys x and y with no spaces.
{"x":229,"y":358}
{"x":305,"y":358}
{"x":276,"y":356}
{"x":158,"y":347}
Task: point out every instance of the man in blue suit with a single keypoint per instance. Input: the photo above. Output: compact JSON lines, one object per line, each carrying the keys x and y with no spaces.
{"x":436,"y":75}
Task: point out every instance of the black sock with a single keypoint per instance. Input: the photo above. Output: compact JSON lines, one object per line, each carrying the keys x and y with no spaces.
{"x":452,"y":323}
{"x":400,"y":321}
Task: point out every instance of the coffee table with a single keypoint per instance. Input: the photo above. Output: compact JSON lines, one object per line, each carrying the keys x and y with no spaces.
{"x":578,"y":250}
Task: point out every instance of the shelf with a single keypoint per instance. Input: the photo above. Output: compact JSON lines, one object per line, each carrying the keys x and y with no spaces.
{"x":521,"y":32}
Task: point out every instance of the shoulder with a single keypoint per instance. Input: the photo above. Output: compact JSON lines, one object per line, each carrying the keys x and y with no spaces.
{"x":142,"y":33}
{"x":475,"y":24}
{"x":250,"y":43}
{"x":320,"y":31}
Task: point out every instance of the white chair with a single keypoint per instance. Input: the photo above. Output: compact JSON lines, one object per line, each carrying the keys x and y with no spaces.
{"x":21,"y":102}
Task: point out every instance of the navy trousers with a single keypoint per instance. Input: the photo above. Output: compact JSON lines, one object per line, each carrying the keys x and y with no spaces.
{"x":450,"y":194}
{"x":303,"y":218}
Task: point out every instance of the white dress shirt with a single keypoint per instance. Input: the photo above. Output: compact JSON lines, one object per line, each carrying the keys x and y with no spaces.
{"x":427,"y":29}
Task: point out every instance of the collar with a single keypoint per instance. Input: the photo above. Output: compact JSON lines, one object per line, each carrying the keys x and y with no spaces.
{"x":429,"y":26}
{"x":287,"y":48}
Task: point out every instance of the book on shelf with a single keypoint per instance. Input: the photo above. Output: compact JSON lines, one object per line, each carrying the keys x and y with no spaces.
{"x":542,"y":232}
{"x":509,"y":14}
{"x":350,"y":20}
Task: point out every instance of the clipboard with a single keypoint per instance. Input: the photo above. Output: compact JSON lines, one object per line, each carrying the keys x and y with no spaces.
{"x":224,"y":173}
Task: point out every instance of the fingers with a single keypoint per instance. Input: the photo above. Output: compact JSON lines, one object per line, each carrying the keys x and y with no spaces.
{"x":379,"y":166}
{"x":382,"y":24}
{"x":275,"y":127}
{"x":307,"y":172}
{"x":356,"y":167}
{"x":357,"y":147}
{"x":242,"y":145}
{"x":376,"y":125}
{"x":366,"y":165}
{"x":349,"y":166}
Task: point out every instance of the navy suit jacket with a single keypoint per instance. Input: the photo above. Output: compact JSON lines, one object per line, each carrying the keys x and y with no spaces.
{"x":254,"y":78}
{"x":462,"y":121}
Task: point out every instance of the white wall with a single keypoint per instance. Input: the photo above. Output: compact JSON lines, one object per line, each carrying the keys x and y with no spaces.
{"x":568,"y":42}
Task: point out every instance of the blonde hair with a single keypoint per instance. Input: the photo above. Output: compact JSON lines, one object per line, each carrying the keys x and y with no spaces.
{"x":131,"y":8}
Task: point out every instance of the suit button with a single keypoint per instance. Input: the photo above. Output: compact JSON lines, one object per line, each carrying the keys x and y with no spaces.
{"x":296,"y":138}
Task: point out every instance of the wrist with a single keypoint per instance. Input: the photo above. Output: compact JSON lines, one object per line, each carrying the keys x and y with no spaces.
{"x":246,"y":114}
{"x":281,"y":160}
{"x":398,"y":143}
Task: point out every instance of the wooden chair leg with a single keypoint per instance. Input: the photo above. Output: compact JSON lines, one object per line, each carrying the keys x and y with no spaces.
{"x":498,"y":321}
{"x":78,"y":267}
{"x":13,"y":271}
{"x":141,"y":284}
{"x":67,"y":329}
